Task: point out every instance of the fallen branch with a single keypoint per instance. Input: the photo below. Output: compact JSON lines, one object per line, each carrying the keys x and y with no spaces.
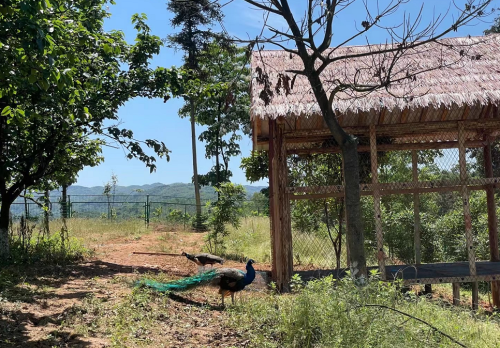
{"x":146,"y":253}
{"x":417,"y":319}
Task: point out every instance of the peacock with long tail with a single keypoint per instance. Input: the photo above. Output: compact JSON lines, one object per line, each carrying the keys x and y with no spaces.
{"x":229,"y":281}
{"x":203,"y":259}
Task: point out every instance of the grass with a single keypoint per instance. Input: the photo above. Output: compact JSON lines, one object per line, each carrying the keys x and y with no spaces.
{"x":326,"y":313}
{"x":253,"y":240}
{"x":100,"y":231}
{"x":322,"y":313}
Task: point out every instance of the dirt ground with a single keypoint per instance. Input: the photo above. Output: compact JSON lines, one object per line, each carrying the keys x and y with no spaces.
{"x":35,"y":313}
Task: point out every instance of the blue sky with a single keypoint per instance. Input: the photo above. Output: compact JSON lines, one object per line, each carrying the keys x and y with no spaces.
{"x":152,"y":119}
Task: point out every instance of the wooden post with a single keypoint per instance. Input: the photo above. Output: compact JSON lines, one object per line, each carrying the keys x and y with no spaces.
{"x":281,"y":233}
{"x":456,"y":293}
{"x":273,"y":221}
{"x":467,"y":219}
{"x":376,"y":203}
{"x":348,"y":260}
{"x":492,"y":222}
{"x":416,"y":210}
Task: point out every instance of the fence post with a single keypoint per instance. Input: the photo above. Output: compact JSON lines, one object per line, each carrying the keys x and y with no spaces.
{"x":70,"y":207}
{"x":185,"y":216}
{"x":147,"y":210}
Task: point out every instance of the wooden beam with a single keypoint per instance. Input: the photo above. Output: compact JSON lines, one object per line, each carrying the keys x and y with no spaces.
{"x":416,"y":209}
{"x":281,"y":233}
{"x":388,"y":192}
{"x":423,"y":114}
{"x":376,"y":203}
{"x":404,"y":115}
{"x":361,"y":118}
{"x":466,"y":112}
{"x":492,"y":218}
{"x":416,"y":129}
{"x":456,"y":294}
{"x":469,"y":238}
{"x":444,"y":114}
{"x":298,"y":123}
{"x":392,"y":147}
{"x":381,"y":116}
{"x":273,"y":202}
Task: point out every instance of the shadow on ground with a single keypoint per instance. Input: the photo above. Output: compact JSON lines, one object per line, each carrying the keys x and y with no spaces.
{"x":21,"y":313}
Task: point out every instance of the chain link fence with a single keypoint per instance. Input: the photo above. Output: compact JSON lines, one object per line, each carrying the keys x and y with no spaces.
{"x":424,"y":188}
{"x":176,"y":211}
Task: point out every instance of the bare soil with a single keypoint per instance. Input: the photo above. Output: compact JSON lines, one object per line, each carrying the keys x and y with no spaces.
{"x":35,"y":311}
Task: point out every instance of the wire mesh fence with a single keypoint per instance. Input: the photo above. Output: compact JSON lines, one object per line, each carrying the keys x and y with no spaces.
{"x":423,"y":171}
{"x":167,"y":210}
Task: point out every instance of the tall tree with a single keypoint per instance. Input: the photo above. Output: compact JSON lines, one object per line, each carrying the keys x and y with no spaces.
{"x":226,"y":111}
{"x":192,"y":16}
{"x":60,"y":81}
{"x":311,"y":38}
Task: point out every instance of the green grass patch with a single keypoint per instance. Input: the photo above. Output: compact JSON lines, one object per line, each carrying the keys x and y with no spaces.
{"x":326,"y":313}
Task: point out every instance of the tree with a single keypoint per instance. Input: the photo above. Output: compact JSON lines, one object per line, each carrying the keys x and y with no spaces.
{"x":495,"y":28}
{"x":60,"y":81}
{"x":311,"y":37}
{"x":191,"y":15}
{"x":225,"y":111}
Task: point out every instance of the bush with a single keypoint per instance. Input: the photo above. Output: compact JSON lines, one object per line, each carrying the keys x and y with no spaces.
{"x":227,"y":210}
{"x":330,"y":313}
{"x":29,"y":246}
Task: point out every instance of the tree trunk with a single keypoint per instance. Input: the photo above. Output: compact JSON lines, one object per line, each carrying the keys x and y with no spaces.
{"x":46,"y":213}
{"x":195,"y":169}
{"x":4,"y":229}
{"x":349,"y":147}
{"x":355,"y":236}
{"x":64,"y":202}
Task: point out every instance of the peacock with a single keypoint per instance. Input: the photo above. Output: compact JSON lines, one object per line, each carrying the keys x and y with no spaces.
{"x":204,"y":259}
{"x":229,"y":280}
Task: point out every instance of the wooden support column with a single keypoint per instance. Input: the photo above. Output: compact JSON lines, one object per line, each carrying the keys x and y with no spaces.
{"x":281,"y":231}
{"x":467,"y":219}
{"x":348,"y":260}
{"x":456,"y":293}
{"x":492,"y":221}
{"x":376,"y":203}
{"x":416,"y":210}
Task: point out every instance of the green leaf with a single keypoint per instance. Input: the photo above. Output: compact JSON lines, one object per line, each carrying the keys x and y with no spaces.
{"x":107,"y":49}
{"x":32,"y":78}
{"x":44,"y":85}
{"x":6,"y":111}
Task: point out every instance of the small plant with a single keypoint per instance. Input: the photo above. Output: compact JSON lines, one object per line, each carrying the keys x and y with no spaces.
{"x":227,"y":210}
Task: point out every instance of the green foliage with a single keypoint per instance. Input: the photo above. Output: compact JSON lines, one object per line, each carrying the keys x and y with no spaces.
{"x":29,"y":246}
{"x":224,"y":110}
{"x":495,"y":28}
{"x":330,"y":313}
{"x":256,"y":166}
{"x":226,"y":210}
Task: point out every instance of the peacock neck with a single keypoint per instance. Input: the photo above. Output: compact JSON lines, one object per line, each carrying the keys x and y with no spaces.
{"x":250,"y":275}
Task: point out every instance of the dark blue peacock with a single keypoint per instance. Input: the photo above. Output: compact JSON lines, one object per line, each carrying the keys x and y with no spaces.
{"x":229,"y":281}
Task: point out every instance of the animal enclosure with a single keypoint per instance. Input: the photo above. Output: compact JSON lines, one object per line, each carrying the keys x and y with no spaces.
{"x":437,"y":140}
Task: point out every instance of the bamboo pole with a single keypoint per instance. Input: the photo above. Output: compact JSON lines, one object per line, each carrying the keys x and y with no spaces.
{"x":467,"y":218}
{"x":416,"y":210}
{"x":492,"y":222}
{"x":376,"y":203}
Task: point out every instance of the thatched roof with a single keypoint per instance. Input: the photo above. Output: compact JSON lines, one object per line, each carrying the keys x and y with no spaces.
{"x":469,"y":78}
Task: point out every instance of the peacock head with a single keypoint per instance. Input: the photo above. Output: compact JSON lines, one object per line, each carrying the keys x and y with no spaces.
{"x":250,"y":262}
{"x":183,"y":253}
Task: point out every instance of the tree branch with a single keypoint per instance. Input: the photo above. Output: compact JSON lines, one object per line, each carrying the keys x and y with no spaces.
{"x":417,"y":319}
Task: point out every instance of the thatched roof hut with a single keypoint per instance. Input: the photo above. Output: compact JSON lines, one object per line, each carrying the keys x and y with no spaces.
{"x":456,"y":79}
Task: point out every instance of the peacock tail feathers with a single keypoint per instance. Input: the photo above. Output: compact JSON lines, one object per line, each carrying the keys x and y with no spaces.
{"x":181,"y":284}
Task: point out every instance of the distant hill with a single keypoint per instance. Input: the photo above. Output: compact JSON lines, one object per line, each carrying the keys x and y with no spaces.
{"x":176,"y":190}
{"x":90,"y":201}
